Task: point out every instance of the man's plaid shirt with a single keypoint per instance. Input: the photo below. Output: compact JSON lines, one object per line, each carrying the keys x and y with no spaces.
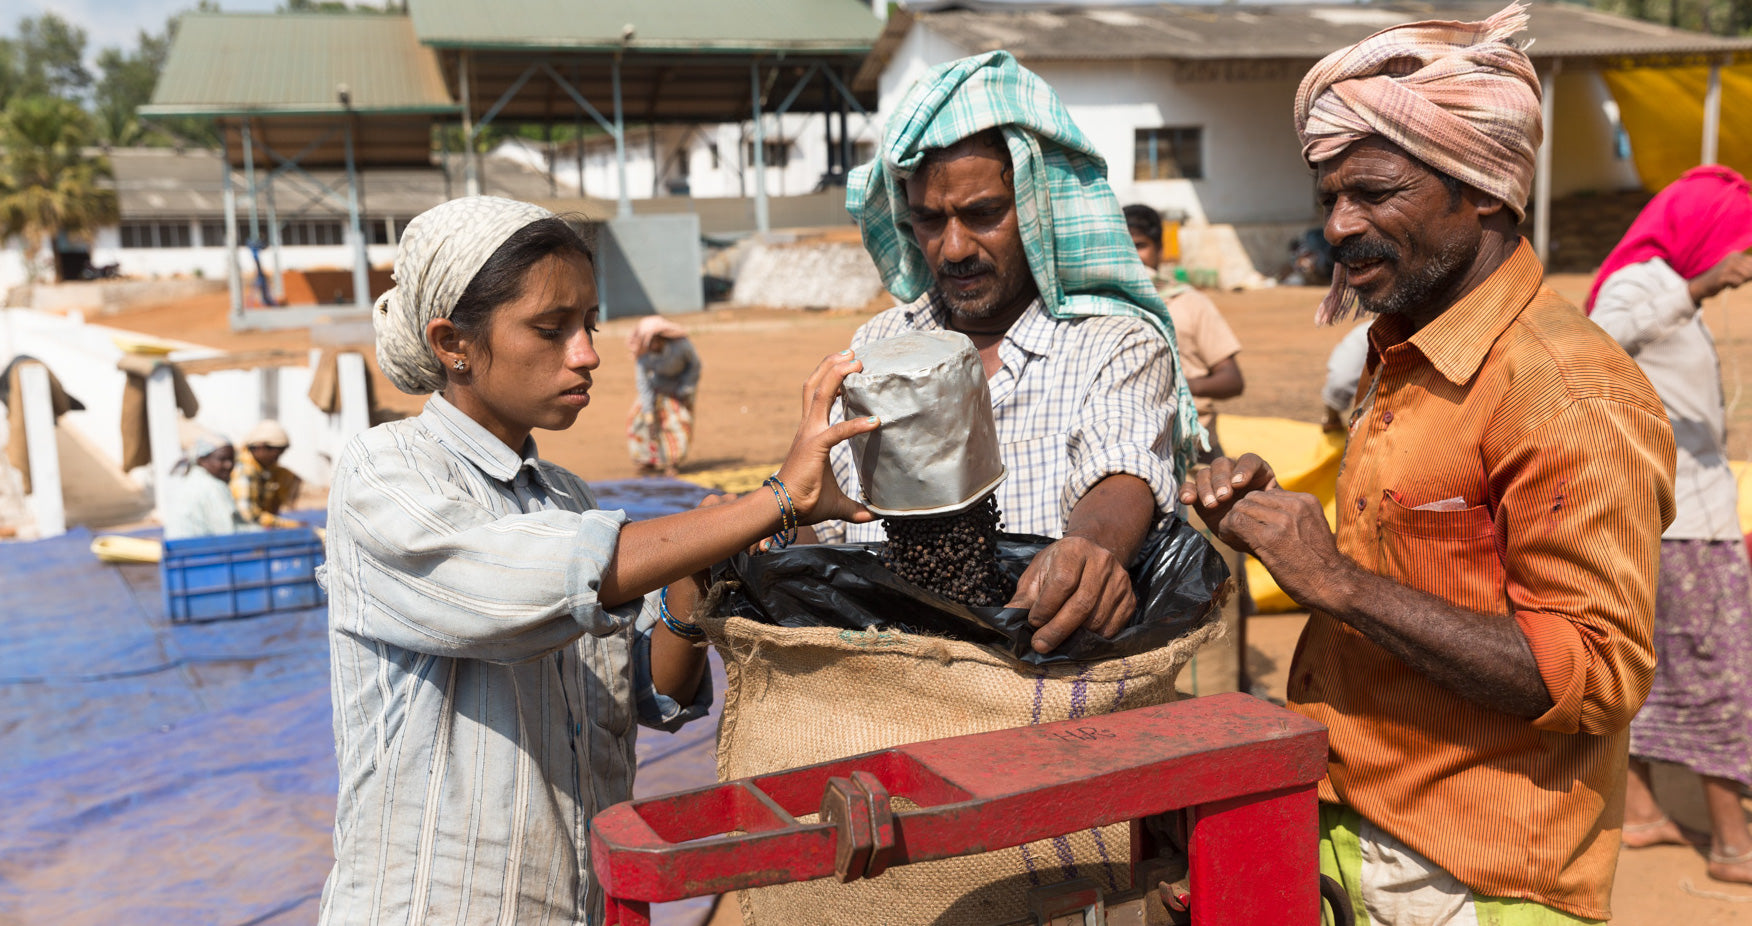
{"x":1077,"y":400}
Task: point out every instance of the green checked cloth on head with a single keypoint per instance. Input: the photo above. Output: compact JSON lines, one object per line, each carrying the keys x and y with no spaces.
{"x":1072,"y":229}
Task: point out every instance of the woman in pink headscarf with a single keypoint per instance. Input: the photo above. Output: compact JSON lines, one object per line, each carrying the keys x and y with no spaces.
{"x":1688,"y":245}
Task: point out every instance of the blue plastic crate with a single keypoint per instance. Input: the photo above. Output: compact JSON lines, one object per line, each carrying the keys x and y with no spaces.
{"x":214,"y":578}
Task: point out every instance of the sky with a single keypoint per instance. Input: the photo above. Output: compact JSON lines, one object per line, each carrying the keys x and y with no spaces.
{"x":116,"y":23}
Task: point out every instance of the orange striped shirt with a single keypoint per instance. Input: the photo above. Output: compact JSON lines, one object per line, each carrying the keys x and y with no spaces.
{"x":1555,"y":461}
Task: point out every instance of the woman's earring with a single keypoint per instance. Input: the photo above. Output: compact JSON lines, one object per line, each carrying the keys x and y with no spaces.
{"x":460,"y":365}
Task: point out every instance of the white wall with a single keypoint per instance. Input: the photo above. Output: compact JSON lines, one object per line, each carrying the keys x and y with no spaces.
{"x":730,"y":177}
{"x":210,"y":262}
{"x":1252,"y":162}
{"x":12,"y":265}
{"x":1253,"y":167}
{"x":150,"y":263}
{"x":1583,"y":152}
{"x":84,"y":358}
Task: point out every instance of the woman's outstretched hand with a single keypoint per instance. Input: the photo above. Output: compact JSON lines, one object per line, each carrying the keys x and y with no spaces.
{"x":1728,"y":273}
{"x":806,"y":471}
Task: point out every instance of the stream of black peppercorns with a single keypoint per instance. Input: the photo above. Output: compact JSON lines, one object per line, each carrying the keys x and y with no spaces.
{"x":955,"y":556}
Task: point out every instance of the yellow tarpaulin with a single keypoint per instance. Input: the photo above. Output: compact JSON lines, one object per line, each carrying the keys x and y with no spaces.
{"x":1305,"y":458}
{"x":1662,"y":109}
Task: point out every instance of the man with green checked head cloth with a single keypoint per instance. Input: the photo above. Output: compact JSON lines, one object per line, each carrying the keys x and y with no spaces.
{"x":988,"y":213}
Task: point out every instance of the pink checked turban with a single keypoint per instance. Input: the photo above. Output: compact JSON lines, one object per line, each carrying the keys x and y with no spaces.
{"x":1457,"y":96}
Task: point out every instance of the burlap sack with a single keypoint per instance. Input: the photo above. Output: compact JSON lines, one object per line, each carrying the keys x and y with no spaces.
{"x":798,"y":696}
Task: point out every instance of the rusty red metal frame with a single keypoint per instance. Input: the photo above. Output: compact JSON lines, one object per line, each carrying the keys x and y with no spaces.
{"x":1244,"y":769}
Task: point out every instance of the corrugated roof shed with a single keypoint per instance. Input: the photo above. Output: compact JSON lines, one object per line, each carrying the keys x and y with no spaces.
{"x":819,"y":26}
{"x":259,"y":64}
{"x":163,"y":183}
{"x":1295,"y":32}
{"x":285,"y":73}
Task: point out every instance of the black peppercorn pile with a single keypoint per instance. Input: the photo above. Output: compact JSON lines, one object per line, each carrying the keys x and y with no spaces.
{"x":955,"y":556}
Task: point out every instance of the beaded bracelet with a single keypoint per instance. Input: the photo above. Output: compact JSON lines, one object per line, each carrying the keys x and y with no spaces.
{"x":787,"y":534}
{"x":676,"y":626}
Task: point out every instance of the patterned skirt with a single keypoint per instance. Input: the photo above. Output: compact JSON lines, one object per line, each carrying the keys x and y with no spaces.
{"x":1699,"y":713}
{"x":660,"y":439}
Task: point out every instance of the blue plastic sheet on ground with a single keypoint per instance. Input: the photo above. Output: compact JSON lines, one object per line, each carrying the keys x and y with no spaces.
{"x":171,"y":774}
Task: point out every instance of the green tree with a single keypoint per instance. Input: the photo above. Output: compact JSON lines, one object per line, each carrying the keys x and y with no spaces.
{"x":11,"y":70}
{"x":1721,"y":17}
{"x":337,"y":6}
{"x":50,"y":185}
{"x":124,"y":84}
{"x":51,"y":53}
{"x":126,"y":80}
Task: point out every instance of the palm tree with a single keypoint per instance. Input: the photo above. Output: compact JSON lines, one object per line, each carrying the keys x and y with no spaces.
{"x":50,"y":185}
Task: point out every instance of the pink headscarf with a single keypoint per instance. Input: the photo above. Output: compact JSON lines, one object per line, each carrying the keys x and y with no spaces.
{"x":1699,"y":219}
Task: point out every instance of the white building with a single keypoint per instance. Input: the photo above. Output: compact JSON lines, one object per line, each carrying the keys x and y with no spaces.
{"x":1191,"y":104}
{"x":173,"y":217}
{"x":700,"y":161}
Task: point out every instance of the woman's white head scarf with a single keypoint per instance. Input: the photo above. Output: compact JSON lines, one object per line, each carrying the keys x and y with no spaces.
{"x":207,"y":444}
{"x":440,"y":252}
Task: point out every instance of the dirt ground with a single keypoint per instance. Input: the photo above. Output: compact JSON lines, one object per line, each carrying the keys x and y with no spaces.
{"x":755,"y":362}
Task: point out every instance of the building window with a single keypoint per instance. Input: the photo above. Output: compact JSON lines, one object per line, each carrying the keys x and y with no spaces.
{"x":173,"y":234}
{"x":1169,"y":154}
{"x":212,"y":233}
{"x":777,"y":152}
{"x":311,"y":232}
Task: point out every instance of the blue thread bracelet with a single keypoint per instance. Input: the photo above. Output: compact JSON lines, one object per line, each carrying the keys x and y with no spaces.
{"x":678,"y":627}
{"x":787,"y":534}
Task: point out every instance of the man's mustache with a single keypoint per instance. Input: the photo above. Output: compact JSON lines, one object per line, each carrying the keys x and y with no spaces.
{"x":1358,"y":250}
{"x":964,"y":268}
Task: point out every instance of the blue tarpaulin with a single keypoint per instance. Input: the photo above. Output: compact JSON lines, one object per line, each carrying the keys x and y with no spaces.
{"x":154,"y":773}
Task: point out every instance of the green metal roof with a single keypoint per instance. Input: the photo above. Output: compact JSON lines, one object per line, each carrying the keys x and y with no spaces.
{"x":714,"y":26}
{"x":232,"y":64}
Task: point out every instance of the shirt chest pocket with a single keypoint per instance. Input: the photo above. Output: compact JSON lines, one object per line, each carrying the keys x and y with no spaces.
{"x":1449,"y":553}
{"x":607,"y":681}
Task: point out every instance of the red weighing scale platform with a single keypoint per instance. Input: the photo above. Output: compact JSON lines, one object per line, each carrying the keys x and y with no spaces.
{"x":1240,"y":772}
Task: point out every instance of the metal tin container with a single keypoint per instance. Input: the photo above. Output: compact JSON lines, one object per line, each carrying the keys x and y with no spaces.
{"x":937,"y":450}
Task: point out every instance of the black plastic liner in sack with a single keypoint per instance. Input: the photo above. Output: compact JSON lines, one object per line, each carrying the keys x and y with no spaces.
{"x":1180,"y":582}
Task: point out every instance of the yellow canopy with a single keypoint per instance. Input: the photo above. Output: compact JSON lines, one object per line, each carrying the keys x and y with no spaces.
{"x":1662,"y":109}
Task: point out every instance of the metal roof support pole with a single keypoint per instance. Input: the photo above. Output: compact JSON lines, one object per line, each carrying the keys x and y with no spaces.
{"x":578,"y":77}
{"x":623,"y":205}
{"x":827,"y":101}
{"x":471,"y":176}
{"x":761,"y":223}
{"x":845,"y":143}
{"x":233,"y":275}
{"x":274,"y":243}
{"x":1712,"y":113}
{"x":361,"y":262}
{"x":1542,"y":171}
{"x":255,"y":222}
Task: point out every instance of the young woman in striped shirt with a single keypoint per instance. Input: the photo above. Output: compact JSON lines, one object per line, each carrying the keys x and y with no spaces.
{"x":493,"y":634}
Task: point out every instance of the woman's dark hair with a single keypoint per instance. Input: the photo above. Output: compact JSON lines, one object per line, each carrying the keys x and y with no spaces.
{"x":1144,"y":221}
{"x":500,"y":279}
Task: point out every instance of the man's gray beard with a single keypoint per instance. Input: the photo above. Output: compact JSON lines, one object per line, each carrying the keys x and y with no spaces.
{"x":978,"y":311}
{"x":1437,"y":276}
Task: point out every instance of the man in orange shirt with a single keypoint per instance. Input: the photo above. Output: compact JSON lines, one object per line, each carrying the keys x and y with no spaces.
{"x":1480,"y":629}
